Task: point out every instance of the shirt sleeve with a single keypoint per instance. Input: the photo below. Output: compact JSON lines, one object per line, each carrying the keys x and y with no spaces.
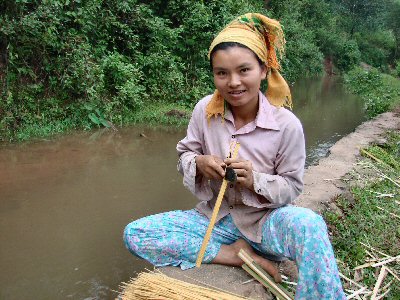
{"x":272,"y":191}
{"x":188,"y":148}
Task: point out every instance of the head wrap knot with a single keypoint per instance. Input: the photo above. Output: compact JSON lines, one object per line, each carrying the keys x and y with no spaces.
{"x":264,"y":36}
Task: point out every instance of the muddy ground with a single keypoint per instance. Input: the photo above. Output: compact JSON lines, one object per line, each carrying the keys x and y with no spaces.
{"x":323,"y":183}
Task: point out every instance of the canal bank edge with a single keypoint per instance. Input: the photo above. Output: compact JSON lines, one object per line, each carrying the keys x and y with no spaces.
{"x":322,"y":184}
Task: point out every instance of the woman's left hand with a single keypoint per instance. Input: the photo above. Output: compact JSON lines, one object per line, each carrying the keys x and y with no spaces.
{"x":244,"y":171}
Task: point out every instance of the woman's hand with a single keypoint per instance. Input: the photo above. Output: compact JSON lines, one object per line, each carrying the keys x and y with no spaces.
{"x":244,"y":171}
{"x":210,"y":166}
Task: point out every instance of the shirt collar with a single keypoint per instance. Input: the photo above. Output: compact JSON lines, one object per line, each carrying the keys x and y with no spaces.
{"x":265,"y":118}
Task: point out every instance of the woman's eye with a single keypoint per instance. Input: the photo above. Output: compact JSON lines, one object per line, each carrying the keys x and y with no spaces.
{"x":221,"y":73}
{"x":244,"y":70}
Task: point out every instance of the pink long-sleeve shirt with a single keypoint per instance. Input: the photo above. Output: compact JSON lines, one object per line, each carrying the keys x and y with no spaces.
{"x":273,"y":142}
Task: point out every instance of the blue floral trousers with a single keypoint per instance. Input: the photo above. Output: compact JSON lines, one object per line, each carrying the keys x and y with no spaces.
{"x":174,"y":238}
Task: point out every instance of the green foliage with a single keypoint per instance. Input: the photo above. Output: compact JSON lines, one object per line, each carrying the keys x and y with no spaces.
{"x":398,"y":68}
{"x":121,"y":56}
{"x":348,"y":55}
{"x":376,"y":47}
{"x":380,"y":92}
{"x":303,"y":57}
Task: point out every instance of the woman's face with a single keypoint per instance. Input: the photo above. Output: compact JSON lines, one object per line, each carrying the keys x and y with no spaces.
{"x":237,"y":76}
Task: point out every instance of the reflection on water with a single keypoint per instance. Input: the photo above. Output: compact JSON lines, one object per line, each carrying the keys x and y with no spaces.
{"x":65,"y":202}
{"x":327,"y":113}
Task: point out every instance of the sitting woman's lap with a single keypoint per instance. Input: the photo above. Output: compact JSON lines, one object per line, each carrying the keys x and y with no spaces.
{"x":174,"y":238}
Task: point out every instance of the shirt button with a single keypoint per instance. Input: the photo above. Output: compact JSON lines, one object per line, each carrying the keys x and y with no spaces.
{"x":233,"y":136}
{"x":259,"y":190}
{"x":231,"y":207}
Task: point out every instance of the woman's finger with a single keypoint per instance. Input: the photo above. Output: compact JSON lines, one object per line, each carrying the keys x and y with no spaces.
{"x":241,"y":172}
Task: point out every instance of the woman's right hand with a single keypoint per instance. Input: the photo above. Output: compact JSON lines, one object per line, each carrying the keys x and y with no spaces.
{"x":210,"y":166}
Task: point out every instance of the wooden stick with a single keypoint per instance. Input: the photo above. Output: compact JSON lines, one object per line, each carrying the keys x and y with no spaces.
{"x":384,"y":176}
{"x":383,"y":295}
{"x":381,"y":195}
{"x":269,"y":267}
{"x":356,"y":293}
{"x":364,"y":266}
{"x":373,"y":157}
{"x":277,"y":292}
{"x":266,"y":280}
{"x":394,"y":215}
{"x":388,"y":285}
{"x":378,"y":283}
{"x":393,"y":273}
{"x":352,"y":281}
{"x":373,"y":249}
{"x":386,"y":261}
{"x":214,"y":214}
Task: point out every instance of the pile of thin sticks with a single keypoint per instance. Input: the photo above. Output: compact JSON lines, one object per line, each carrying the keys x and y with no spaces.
{"x":155,"y":285}
{"x":381,"y":262}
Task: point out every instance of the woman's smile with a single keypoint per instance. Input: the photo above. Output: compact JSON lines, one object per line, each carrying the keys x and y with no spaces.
{"x":237,"y":93}
{"x":237,"y":76}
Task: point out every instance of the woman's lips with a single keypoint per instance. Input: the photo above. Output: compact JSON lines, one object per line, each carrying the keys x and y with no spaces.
{"x":237,"y":93}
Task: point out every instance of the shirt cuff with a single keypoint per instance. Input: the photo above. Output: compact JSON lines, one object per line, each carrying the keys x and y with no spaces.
{"x":261,"y":195}
{"x":197,"y":185}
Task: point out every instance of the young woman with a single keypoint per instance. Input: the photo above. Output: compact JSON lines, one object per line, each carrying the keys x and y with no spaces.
{"x":256,"y":213}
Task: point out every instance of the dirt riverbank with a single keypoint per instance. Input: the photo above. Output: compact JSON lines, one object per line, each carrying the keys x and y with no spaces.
{"x":323,"y":183}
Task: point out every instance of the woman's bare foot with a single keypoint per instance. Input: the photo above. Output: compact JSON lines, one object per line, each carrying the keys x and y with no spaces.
{"x":228,"y":255}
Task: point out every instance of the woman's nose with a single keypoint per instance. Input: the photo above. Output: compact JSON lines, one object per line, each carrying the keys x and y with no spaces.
{"x":234,"y":81}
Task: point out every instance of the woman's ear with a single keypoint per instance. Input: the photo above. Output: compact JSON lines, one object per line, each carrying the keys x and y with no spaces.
{"x":264,"y":71}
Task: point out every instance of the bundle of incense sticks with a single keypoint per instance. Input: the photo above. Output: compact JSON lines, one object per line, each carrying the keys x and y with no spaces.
{"x":251,"y":267}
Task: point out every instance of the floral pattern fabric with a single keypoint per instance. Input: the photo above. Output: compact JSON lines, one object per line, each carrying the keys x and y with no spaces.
{"x":174,"y":239}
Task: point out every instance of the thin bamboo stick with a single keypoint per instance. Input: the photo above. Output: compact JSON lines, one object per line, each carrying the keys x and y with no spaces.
{"x":373,"y":157}
{"x":274,"y":291}
{"x":378,"y":283}
{"x":350,"y":280}
{"x":390,"y":213}
{"x":214,"y":215}
{"x":373,"y":249}
{"x":383,"y":295}
{"x":386,"y":261}
{"x":356,"y":293}
{"x":364,"y":266}
{"x":393,"y":273}
{"x":265,"y":279}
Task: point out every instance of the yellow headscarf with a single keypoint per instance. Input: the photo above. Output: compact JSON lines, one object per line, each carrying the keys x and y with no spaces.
{"x":262,"y":35}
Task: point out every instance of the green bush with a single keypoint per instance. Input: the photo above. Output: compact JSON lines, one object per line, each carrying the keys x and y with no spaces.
{"x":398,"y":68}
{"x":60,"y":57}
{"x":380,"y":92}
{"x":348,"y":55}
{"x":376,"y":47}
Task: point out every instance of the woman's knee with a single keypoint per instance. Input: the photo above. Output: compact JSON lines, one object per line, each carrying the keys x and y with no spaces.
{"x":131,"y":237}
{"x":307,"y":221}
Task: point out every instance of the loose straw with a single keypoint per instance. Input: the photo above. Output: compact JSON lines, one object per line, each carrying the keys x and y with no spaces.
{"x":214,"y":214}
{"x":155,"y":285}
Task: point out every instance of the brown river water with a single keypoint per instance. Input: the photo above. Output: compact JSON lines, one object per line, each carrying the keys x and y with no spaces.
{"x":64,"y":201}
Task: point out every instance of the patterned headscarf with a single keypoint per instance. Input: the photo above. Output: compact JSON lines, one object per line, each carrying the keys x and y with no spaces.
{"x":263,"y":36}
